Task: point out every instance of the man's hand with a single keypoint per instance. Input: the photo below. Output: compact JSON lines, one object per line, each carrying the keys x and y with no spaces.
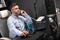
{"x":25,"y":32}
{"x":23,"y":13}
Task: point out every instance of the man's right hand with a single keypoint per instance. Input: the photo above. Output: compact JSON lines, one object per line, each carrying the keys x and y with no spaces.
{"x":23,"y":13}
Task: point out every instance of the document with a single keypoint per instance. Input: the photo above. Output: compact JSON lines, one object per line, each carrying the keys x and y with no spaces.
{"x":40,"y":18}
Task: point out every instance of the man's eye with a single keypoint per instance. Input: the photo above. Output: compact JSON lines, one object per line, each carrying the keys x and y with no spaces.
{"x":16,"y":8}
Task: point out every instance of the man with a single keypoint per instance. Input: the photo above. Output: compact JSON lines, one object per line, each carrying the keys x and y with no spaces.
{"x":16,"y":21}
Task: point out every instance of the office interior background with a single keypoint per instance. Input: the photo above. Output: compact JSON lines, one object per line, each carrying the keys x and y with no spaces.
{"x":36,"y":8}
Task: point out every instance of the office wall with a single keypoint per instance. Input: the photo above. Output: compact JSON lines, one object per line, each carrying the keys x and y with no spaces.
{"x":57,"y":3}
{"x":7,"y":3}
{"x":40,"y":8}
{"x":34,"y":8}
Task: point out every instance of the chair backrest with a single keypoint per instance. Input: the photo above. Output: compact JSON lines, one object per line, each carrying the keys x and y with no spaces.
{"x":3,"y":38}
{"x":3,"y":23}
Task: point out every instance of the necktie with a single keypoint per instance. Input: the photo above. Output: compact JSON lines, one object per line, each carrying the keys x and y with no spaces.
{"x":29,"y":27}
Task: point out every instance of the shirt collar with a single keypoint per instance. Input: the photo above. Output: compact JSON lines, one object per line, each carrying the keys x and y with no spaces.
{"x":14,"y":16}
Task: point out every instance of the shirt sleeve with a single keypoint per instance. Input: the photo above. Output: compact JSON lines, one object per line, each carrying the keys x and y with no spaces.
{"x":26,"y":18}
{"x":13,"y":29}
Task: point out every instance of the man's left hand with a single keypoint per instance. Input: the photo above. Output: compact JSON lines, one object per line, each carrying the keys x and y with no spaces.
{"x":25,"y":32}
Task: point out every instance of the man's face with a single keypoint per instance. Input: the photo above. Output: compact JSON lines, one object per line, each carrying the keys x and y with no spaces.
{"x":15,"y":9}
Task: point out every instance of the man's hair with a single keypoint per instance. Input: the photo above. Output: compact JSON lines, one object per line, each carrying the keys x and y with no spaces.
{"x":12,"y":5}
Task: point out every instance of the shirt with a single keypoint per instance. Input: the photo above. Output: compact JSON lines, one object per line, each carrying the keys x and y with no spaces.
{"x":16,"y":24}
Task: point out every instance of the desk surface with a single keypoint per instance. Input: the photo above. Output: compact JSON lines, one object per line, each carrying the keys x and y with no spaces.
{"x":34,"y":36}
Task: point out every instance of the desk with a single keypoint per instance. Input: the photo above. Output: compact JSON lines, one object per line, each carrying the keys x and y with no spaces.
{"x":33,"y":37}
{"x":38,"y":34}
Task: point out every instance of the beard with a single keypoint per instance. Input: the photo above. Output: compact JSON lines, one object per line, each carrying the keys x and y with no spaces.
{"x":19,"y":13}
